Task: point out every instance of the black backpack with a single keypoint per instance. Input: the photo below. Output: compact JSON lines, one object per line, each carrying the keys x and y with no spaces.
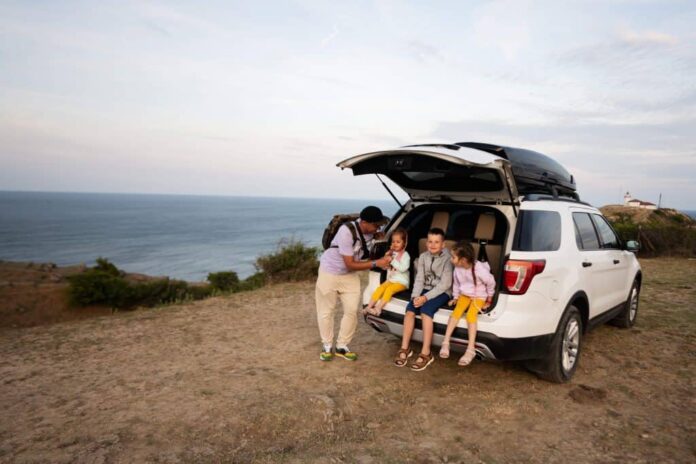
{"x":350,"y":220}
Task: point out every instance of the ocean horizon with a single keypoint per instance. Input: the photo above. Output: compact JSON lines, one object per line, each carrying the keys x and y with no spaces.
{"x":180,"y":236}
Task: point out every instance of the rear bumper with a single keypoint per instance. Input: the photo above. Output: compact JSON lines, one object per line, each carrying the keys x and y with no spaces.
{"x":488,"y":345}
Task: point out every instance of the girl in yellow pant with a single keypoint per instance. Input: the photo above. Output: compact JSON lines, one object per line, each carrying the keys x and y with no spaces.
{"x":382,"y":295}
{"x":397,"y":275}
{"x":472,"y":291}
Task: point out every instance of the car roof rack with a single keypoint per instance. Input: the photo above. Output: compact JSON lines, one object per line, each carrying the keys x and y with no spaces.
{"x":547,"y":197}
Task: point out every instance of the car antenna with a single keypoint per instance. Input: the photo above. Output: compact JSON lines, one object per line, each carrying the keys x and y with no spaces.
{"x":390,"y":192}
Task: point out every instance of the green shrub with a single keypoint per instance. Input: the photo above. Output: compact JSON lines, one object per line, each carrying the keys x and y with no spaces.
{"x":105,"y":265}
{"x":252,"y":282}
{"x":658,"y":239}
{"x":292,"y":261}
{"x":96,"y":286}
{"x":200,"y":292}
{"x":224,"y":281}
{"x":160,"y":291}
{"x":667,"y":241}
{"x":105,"y":284}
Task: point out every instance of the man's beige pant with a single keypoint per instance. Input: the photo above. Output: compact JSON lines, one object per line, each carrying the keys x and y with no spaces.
{"x":329,"y":289}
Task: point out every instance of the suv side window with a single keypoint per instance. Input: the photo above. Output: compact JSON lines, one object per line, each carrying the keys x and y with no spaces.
{"x":606,"y":233}
{"x":585,"y":233}
{"x":538,"y":231}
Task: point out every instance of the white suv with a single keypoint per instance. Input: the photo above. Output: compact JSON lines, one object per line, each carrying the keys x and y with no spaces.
{"x":560,"y":268}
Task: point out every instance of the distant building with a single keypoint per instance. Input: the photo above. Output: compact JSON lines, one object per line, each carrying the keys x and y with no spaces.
{"x":635,"y":203}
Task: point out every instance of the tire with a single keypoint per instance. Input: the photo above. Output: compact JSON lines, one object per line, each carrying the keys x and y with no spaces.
{"x":627,"y":317}
{"x":564,"y":355}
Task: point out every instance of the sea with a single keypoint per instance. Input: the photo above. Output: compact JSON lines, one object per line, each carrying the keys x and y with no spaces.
{"x":180,"y":236}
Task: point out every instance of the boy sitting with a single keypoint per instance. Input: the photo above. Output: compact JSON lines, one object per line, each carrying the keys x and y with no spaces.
{"x":431,"y":289}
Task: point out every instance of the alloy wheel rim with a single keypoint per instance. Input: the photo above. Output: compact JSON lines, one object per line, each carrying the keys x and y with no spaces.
{"x":571,"y":344}
{"x":634,"y":304}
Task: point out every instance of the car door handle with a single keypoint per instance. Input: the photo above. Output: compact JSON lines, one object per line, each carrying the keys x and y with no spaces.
{"x":616,"y":261}
{"x":586,"y":264}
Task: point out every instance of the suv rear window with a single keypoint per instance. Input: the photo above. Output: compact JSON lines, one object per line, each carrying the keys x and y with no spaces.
{"x":585,"y":233}
{"x":538,"y":231}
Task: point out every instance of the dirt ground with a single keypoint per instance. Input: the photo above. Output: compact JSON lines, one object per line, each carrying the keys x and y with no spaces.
{"x":33,"y":294}
{"x":238,"y":379}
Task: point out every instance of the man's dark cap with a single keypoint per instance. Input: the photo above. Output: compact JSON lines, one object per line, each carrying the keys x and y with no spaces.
{"x":373,"y":215}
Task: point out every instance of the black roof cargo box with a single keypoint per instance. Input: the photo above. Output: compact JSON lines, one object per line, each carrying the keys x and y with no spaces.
{"x":534,"y":172}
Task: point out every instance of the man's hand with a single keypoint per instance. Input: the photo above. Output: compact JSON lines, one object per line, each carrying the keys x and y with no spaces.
{"x":384,"y":262}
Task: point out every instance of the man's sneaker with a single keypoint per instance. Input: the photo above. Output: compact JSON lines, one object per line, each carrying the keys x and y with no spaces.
{"x":326,"y":353}
{"x":345,"y":353}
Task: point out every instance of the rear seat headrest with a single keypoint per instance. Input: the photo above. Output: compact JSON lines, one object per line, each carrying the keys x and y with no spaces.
{"x":485,"y":227}
{"x":441,"y":220}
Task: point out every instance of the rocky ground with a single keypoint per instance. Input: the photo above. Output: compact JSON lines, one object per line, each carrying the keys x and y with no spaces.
{"x":238,"y":379}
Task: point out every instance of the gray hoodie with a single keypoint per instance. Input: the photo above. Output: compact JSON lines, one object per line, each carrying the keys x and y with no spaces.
{"x":434,"y":274}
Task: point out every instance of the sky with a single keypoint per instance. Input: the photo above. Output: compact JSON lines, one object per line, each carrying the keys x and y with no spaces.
{"x":264,"y":98}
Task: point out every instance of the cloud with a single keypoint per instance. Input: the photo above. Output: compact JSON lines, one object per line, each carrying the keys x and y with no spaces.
{"x":424,"y":52}
{"x":650,"y":38}
{"x":329,"y":38}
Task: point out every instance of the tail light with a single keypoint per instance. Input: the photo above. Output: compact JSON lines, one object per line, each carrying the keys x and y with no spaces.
{"x":519,"y":274}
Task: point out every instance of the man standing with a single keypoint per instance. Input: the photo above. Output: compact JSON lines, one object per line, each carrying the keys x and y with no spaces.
{"x":338,"y":279}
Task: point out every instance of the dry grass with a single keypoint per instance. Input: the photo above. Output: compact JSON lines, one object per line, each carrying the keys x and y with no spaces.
{"x":237,"y":379}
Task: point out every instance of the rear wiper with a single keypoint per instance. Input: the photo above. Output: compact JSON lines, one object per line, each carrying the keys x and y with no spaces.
{"x":390,"y":192}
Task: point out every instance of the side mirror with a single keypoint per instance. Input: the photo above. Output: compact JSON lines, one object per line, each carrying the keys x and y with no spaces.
{"x":633,"y":246}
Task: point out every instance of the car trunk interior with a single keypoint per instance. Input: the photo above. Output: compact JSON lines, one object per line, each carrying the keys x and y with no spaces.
{"x":483,"y":226}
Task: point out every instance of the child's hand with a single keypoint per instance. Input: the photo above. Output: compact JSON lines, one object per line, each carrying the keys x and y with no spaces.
{"x":452,"y":302}
{"x":383,"y":262}
{"x":419,"y":301}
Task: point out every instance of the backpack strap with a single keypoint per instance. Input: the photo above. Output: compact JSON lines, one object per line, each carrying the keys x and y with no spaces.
{"x":363,"y":243}
{"x":357,"y":234}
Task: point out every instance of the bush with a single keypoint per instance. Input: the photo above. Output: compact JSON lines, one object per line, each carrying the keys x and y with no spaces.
{"x":96,"y":286}
{"x":667,"y":241}
{"x":252,"y":282}
{"x":104,"y":265}
{"x":224,"y":281}
{"x":105,"y":284}
{"x":292,"y":261}
{"x":658,"y":239}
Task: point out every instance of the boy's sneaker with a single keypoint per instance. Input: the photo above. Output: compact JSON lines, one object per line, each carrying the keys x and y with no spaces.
{"x":326,"y":353}
{"x":345,"y":353}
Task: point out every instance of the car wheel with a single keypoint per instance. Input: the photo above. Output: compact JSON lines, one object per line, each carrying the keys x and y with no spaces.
{"x":564,"y":355}
{"x":627,"y":317}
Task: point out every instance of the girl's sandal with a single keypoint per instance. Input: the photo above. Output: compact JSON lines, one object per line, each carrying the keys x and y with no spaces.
{"x":444,"y":350}
{"x":466,"y":359}
{"x":422,"y":362}
{"x":402,"y":357}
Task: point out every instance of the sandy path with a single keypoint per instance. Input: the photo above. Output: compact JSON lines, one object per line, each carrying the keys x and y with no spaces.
{"x":237,"y":379}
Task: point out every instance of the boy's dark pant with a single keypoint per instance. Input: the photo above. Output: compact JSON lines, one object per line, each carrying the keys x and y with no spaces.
{"x":431,"y":306}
